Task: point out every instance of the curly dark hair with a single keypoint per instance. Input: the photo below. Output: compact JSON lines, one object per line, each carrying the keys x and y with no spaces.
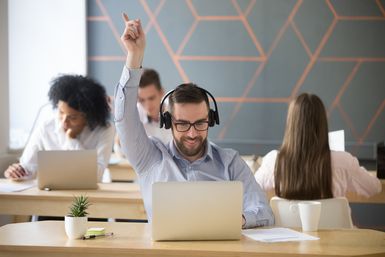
{"x":84,"y":95}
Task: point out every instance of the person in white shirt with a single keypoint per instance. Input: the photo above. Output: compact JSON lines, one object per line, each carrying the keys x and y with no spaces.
{"x":81,"y":121}
{"x":150,"y":94}
{"x":305,"y":168}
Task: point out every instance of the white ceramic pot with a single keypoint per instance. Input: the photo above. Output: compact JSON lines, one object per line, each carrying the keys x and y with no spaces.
{"x":75,"y":227}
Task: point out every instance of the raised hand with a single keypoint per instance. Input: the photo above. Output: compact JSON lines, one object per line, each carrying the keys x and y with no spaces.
{"x":134,"y":40}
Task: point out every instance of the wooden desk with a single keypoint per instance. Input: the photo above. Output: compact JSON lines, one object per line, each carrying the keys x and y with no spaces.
{"x":47,"y":238}
{"x":378,"y":198}
{"x":112,"y":200}
{"x":121,"y":171}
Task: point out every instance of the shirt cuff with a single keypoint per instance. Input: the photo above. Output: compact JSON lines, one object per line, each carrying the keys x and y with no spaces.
{"x":128,"y":74}
{"x":130,"y":78}
{"x":252,"y":221}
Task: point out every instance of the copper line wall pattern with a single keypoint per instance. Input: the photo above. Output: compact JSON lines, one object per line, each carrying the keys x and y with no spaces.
{"x":181,"y":60}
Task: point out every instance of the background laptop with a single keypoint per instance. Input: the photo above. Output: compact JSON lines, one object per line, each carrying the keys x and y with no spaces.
{"x":199,"y":210}
{"x":74,"y":169}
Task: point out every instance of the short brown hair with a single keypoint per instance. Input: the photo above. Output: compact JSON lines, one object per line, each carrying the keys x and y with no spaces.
{"x":150,"y":77}
{"x":188,"y":93}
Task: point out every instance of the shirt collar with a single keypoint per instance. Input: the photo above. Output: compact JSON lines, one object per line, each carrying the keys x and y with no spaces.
{"x":146,"y":119}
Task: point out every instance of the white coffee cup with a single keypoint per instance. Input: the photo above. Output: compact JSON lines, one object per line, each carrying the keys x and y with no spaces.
{"x":309,"y":212}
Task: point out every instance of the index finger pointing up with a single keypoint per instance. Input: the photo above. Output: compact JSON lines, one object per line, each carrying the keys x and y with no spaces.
{"x":125,"y":17}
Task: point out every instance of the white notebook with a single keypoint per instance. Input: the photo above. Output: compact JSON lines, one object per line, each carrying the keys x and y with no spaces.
{"x":337,"y":140}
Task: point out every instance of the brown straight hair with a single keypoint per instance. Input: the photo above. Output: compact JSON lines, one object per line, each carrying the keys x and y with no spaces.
{"x":303,"y":166}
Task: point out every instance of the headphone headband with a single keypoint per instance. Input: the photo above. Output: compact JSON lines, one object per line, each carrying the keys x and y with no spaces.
{"x":165,"y":118}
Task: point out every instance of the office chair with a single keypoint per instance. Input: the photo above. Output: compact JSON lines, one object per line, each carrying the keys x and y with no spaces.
{"x":335,"y":213}
{"x":43,"y":112}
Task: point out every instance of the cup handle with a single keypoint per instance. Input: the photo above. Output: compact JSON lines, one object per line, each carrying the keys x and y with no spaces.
{"x":293,"y":207}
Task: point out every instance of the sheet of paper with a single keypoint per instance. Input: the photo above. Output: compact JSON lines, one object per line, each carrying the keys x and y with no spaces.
{"x":272,"y":235}
{"x":7,"y":185}
{"x":337,"y":140}
{"x":114,"y":160}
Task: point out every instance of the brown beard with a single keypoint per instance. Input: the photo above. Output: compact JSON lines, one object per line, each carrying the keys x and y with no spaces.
{"x":191,"y":152}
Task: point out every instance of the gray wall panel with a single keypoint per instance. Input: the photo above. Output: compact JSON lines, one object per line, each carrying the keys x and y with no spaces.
{"x":254,"y":56}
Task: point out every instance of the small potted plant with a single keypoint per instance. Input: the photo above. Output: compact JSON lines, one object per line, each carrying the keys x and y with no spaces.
{"x":75,"y":222}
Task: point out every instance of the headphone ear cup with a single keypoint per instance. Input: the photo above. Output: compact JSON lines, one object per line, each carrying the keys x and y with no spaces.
{"x":161,"y":123}
{"x":167,"y":120}
{"x":216,"y":115}
{"x":211,"y":118}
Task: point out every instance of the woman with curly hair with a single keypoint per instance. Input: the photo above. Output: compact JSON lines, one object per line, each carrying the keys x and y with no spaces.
{"x":81,"y":121}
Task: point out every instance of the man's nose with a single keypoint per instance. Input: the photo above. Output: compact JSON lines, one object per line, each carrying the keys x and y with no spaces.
{"x":192,"y":132}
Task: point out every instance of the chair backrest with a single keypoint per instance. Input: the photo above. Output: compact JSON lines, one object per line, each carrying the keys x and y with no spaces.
{"x":45,"y":111}
{"x":335,"y":213}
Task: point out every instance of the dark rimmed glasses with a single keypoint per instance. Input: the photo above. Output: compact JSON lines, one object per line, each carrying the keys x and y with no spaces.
{"x":183,"y":126}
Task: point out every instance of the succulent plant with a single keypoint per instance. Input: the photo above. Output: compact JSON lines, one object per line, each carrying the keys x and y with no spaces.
{"x":79,"y":207}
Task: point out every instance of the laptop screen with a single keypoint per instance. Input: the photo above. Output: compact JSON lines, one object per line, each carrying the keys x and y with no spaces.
{"x":200,"y":210}
{"x":72,"y":169}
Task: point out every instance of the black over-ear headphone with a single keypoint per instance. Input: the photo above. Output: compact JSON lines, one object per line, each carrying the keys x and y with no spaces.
{"x":165,"y":117}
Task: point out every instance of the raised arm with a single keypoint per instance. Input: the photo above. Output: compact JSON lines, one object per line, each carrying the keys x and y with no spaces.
{"x":137,"y":147}
{"x":134,"y":41}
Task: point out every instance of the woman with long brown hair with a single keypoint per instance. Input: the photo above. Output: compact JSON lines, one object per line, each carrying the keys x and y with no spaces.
{"x":305,"y":168}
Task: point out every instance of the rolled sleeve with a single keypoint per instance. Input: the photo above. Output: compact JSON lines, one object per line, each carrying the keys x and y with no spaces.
{"x":120,"y":93}
{"x":262,"y":218}
{"x":256,"y":209}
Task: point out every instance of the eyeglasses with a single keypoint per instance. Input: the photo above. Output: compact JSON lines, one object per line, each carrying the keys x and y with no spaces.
{"x":200,"y":125}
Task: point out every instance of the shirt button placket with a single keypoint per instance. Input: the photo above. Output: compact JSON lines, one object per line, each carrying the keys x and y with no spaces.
{"x":189,"y":172}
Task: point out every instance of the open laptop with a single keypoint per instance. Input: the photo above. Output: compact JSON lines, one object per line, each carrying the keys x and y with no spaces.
{"x":73,"y":169}
{"x":199,"y":210}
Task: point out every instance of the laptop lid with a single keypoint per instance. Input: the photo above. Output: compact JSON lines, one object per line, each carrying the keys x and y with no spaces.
{"x":61,"y":169}
{"x":199,"y":210}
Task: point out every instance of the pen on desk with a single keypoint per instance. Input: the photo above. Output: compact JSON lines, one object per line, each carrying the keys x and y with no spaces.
{"x":94,"y":236}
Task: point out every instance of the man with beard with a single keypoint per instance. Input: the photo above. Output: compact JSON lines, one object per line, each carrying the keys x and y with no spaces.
{"x":189,"y":156}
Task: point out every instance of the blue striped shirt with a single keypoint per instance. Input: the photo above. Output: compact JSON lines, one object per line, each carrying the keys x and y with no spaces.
{"x":154,"y":161}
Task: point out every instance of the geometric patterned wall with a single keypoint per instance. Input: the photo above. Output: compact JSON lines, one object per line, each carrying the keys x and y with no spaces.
{"x":254,"y":56}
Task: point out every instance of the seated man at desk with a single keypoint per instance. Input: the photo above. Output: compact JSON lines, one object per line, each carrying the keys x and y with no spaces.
{"x":150,"y":94}
{"x":189,"y":156}
{"x":81,"y":121}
